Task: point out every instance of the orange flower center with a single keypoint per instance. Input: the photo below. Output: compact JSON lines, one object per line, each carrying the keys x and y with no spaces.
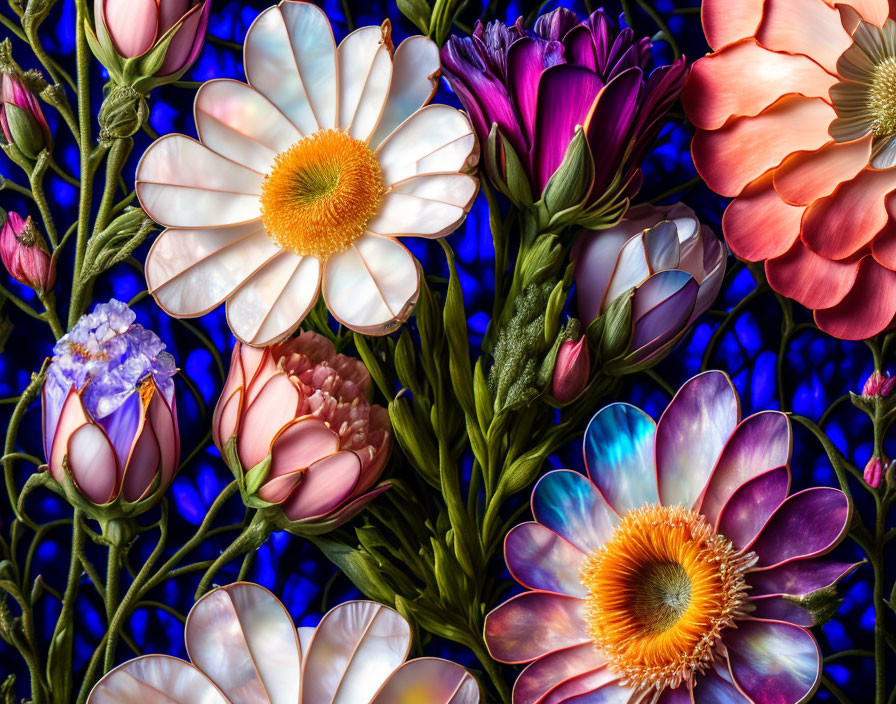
{"x":882,"y":97}
{"x":660,"y":592}
{"x":321,"y":193}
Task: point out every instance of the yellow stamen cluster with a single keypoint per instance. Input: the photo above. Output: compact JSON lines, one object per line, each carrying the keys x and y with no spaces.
{"x":660,"y":592}
{"x":321,"y":193}
{"x":882,"y":98}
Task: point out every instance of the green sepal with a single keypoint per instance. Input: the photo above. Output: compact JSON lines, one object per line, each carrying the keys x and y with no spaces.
{"x":26,"y":133}
{"x":571,"y":183}
{"x":505,"y":169}
{"x":360,"y":568}
{"x":116,"y":242}
{"x":822,"y":604}
{"x":415,"y":440}
{"x":610,"y":333}
{"x":257,"y":476}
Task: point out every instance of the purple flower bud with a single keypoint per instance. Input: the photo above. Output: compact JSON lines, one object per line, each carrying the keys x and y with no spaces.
{"x":21,"y":119}
{"x":874,"y":472}
{"x":25,"y":255}
{"x":571,"y":370}
{"x":879,"y":384}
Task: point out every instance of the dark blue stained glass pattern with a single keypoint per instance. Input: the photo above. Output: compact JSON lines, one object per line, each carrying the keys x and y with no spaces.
{"x":810,"y":375}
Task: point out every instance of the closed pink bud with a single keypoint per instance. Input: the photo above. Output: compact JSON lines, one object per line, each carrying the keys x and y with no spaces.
{"x":25,"y":255}
{"x":571,"y":370}
{"x":879,"y":385}
{"x":304,"y":407}
{"x":21,"y":119}
{"x":874,"y":472}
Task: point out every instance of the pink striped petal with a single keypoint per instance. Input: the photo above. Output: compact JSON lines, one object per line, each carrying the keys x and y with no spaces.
{"x":325,"y":485}
{"x":751,"y":506}
{"x":725,"y":22}
{"x":867,"y":309}
{"x":534,"y":624}
{"x":429,"y":681}
{"x":809,"y":278}
{"x":759,"y":225}
{"x":540,"y":559}
{"x":543,"y":675}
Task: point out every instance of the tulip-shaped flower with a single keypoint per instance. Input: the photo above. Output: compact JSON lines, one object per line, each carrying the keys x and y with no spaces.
{"x":536,"y":90}
{"x":571,"y":370}
{"x":666,"y":265}
{"x":244,"y":649}
{"x":21,"y":119}
{"x":25,"y":254}
{"x":109,"y":415}
{"x":295,"y":426}
{"x":169,"y":33}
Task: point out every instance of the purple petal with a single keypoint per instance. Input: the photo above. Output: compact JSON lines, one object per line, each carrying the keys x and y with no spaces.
{"x":807,"y":524}
{"x":751,"y":506}
{"x":799,"y":577}
{"x":609,"y":126}
{"x":545,"y":674}
{"x":540,"y":559}
{"x":772,"y":662}
{"x":661,"y":308}
{"x":580,"y":47}
{"x":597,"y":687}
{"x":121,"y":427}
{"x":690,"y":436}
{"x":527,"y":58}
{"x":554,"y":25}
{"x":760,"y":443}
{"x":777,"y":608}
{"x":662,"y":246}
{"x":534,"y":624}
{"x":572,"y":507}
{"x":679,"y":695}
{"x":570,"y":91}
{"x":715,"y":687}
{"x":714,"y":271}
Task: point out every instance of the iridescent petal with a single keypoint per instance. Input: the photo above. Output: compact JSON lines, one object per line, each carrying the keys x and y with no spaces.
{"x":600,"y":686}
{"x":572,"y":507}
{"x":372,"y":286}
{"x":534,"y":624}
{"x":619,"y":456}
{"x":429,"y":681}
{"x":807,"y":524}
{"x":690,"y":436}
{"x":364,"y":65}
{"x":751,"y":506}
{"x":401,"y":214}
{"x":91,"y":461}
{"x":540,"y":559}
{"x":632,"y":269}
{"x":132,"y":24}
{"x":297,"y":445}
{"x":679,"y":695}
{"x":759,"y":443}
{"x":274,"y":406}
{"x":772,"y":662}
{"x":243,"y":639}
{"x":780,"y":608}
{"x":545,"y":674}
{"x":355,"y":648}
{"x":715,"y":687}
{"x":799,"y":577}
{"x":72,"y":415}
{"x":155,"y":679}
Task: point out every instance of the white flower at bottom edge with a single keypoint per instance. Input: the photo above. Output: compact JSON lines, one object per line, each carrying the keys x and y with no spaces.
{"x":245,"y":650}
{"x":302,"y":179}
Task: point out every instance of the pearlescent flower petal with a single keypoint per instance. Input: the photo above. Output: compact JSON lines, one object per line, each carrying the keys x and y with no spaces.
{"x":534,"y":624}
{"x":270,"y":305}
{"x":275,"y":405}
{"x":428,"y":681}
{"x":751,"y":506}
{"x":807,"y":524}
{"x":690,"y":436}
{"x":780,"y":608}
{"x":679,"y":695}
{"x":715,"y":687}
{"x":760,"y":443}
{"x":545,"y":674}
{"x":415,"y":71}
{"x":403,"y":214}
{"x":538,"y":558}
{"x":91,"y":461}
{"x":772,"y":662}
{"x":354,"y":650}
{"x":243,"y":639}
{"x":155,"y":679}
{"x":571,"y":506}
{"x":324,"y":486}
{"x":238,"y":122}
{"x":58,"y":429}
{"x":619,"y":456}
{"x":799,"y":577}
{"x":372,"y":286}
{"x":598,"y":687}
{"x":190,"y":272}
{"x":181,"y":183}
{"x":365,"y":73}
{"x":436,"y":139}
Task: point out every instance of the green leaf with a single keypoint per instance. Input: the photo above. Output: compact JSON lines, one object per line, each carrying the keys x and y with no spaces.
{"x":372,"y":362}
{"x":415,"y":440}
{"x":482,"y":398}
{"x":417,"y":11}
{"x":406,"y":362}
{"x":458,"y":342}
{"x":617,"y":330}
{"x":359,"y":567}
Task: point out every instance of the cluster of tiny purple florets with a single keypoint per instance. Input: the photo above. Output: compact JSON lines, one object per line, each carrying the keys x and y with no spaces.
{"x":107,"y":355}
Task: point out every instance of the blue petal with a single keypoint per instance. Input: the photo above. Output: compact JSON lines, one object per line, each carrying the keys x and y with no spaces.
{"x":571,"y":506}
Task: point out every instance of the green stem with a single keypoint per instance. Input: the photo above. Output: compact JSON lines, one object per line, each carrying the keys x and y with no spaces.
{"x":7,"y":185}
{"x":63,"y":634}
{"x":118,"y":155}
{"x":252,"y":538}
{"x":494,"y":672}
{"x":50,"y":314}
{"x":25,"y":400}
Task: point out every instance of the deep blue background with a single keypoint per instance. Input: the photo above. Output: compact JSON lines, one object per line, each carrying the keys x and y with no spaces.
{"x":817,"y":370}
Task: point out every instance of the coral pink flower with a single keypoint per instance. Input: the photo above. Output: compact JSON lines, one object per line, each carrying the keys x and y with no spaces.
{"x":806,"y":146}
{"x":304,"y":408}
{"x":674,"y":573}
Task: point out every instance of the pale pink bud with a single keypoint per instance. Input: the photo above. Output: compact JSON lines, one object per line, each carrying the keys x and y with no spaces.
{"x":305,"y":407}
{"x":879,"y":385}
{"x":21,"y":119}
{"x":571,"y":370}
{"x":25,"y":255}
{"x":874,"y":472}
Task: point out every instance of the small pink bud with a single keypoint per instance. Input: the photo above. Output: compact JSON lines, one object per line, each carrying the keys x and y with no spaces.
{"x":21,"y":119}
{"x":879,"y":385}
{"x":25,"y":255}
{"x":874,"y":472}
{"x":571,"y":370}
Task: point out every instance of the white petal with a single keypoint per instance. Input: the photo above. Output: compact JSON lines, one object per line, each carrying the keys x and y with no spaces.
{"x":245,"y":641}
{"x":415,"y":79}
{"x":436,"y":139}
{"x":182,"y":183}
{"x":314,"y":48}
{"x":274,"y":301}
{"x":372,"y":286}
{"x":365,"y":72}
{"x":238,"y":122}
{"x":402,"y":214}
{"x":631,"y":269}
{"x":456,"y":189}
{"x":190,"y":272}
{"x":356,"y":646}
{"x":429,"y":681}
{"x":155,"y":679}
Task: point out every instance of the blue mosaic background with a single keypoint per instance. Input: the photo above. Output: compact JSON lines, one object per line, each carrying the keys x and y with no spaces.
{"x":806,"y":376}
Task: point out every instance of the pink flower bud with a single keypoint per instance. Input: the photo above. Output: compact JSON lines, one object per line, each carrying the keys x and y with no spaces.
{"x":879,"y":385}
{"x":571,"y":370}
{"x":304,"y":407}
{"x":25,"y":255}
{"x":21,"y":119}
{"x":874,"y":472}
